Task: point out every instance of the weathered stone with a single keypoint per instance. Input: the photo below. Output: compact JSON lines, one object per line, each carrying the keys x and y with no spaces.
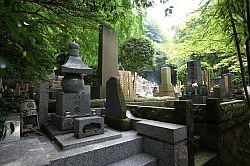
{"x":184,"y":115}
{"x":166,"y":132}
{"x":194,"y":72}
{"x":88,"y":126}
{"x":107,"y":58}
{"x":167,"y":154}
{"x":73,"y":103}
{"x":165,"y":75}
{"x":115,"y":102}
{"x":166,"y":88}
{"x":43,"y":103}
{"x":212,"y":111}
{"x":68,"y":141}
{"x":118,"y":124}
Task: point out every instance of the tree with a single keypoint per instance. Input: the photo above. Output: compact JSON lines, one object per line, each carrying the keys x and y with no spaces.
{"x":137,"y":55}
{"x":35,"y":33}
{"x":153,"y":31}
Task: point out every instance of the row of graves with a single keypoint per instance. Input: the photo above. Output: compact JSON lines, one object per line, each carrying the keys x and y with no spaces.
{"x":199,"y":86}
{"x":71,"y":129}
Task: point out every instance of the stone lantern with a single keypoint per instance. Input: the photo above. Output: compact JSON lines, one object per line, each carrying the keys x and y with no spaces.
{"x":74,"y":100}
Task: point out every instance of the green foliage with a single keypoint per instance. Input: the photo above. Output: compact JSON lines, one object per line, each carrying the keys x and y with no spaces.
{"x":208,"y":37}
{"x":154,"y":74}
{"x":137,"y":55}
{"x":153,"y":31}
{"x":35,"y":34}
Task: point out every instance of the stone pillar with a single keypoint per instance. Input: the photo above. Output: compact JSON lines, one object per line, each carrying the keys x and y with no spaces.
{"x":165,"y":141}
{"x":183,"y":114}
{"x":107,"y":58}
{"x":166,"y":88}
{"x":165,"y":75}
{"x":43,"y":104}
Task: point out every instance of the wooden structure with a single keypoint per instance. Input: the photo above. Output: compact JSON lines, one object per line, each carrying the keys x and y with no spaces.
{"x":128,"y":84}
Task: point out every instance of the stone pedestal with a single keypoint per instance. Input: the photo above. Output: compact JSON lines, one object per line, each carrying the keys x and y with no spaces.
{"x":88,"y":126}
{"x":70,"y":106}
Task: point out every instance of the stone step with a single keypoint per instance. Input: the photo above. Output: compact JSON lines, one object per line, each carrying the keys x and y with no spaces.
{"x":141,"y":159}
{"x":101,"y":153}
{"x":205,"y":157}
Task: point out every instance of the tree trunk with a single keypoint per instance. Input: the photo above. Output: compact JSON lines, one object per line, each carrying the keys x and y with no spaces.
{"x":237,"y":45}
{"x":247,"y":41}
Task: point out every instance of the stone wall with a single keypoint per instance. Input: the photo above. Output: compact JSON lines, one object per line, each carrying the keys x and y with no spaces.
{"x":220,"y":125}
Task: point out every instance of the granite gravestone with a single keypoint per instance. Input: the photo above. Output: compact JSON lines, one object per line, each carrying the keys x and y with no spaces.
{"x":116,"y":106}
{"x":166,"y":88}
{"x":194,"y":72}
{"x":43,"y":103}
{"x":195,"y":90}
{"x":107,"y":60}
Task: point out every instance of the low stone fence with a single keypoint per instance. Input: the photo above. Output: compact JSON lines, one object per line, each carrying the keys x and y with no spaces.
{"x":221,"y":126}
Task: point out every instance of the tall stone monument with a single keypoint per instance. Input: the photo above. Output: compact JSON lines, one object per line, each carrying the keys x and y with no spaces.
{"x":107,"y":60}
{"x":194,"y":72}
{"x":195,"y":90}
{"x":74,"y":100}
{"x":166,"y":88}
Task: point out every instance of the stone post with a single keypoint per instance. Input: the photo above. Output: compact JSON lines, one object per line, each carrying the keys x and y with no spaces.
{"x":107,"y":59}
{"x":43,"y":104}
{"x":183,"y":114}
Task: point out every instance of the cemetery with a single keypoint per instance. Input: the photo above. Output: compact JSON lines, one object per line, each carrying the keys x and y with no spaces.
{"x":96,"y":93}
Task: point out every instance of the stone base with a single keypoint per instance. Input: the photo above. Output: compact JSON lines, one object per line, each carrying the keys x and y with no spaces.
{"x":88,"y":126}
{"x":53,"y":130}
{"x":166,"y":88}
{"x":68,"y":141}
{"x":118,"y":124}
{"x":164,"y":93}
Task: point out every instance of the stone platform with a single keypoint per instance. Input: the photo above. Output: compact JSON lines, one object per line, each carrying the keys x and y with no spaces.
{"x":68,"y":141}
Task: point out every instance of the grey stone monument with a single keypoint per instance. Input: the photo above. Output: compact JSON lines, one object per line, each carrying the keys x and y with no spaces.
{"x":107,"y":60}
{"x":116,"y":106}
{"x":74,"y":100}
{"x":43,"y":103}
{"x":194,"y":72}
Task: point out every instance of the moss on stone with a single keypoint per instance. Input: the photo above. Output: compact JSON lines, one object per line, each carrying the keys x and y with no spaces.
{"x":118,"y":124}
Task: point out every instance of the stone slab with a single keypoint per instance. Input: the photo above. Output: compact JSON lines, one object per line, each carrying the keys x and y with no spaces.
{"x":88,"y":126}
{"x":168,"y":155}
{"x":167,"y":132}
{"x":103,"y":153}
{"x":53,"y":131}
{"x":24,"y":152}
{"x":68,"y":141}
{"x":141,"y":159}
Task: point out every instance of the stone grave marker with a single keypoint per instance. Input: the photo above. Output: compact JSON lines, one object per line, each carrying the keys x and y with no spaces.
{"x":107,"y":60}
{"x":194,"y":72}
{"x":116,"y":106}
{"x":166,"y":88}
{"x":43,"y":103}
